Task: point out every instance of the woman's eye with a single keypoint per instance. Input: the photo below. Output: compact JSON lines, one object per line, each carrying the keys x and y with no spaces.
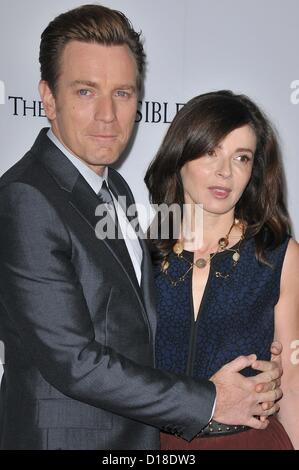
{"x":244,"y":158}
{"x":211,"y":153}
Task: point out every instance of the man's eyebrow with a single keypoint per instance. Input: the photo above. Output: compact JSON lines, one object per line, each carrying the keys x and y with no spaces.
{"x":84,"y":82}
{"x":125,"y":86}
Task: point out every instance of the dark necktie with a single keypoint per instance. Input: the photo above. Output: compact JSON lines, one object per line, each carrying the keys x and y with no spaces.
{"x":105,"y":197}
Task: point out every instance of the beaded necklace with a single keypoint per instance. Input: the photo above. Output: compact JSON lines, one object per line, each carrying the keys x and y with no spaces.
{"x":200,"y":263}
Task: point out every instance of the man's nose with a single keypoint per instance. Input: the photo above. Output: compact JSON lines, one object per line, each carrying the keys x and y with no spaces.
{"x":105,"y":110}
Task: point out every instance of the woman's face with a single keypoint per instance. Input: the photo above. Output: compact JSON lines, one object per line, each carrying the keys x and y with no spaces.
{"x":217,"y":179}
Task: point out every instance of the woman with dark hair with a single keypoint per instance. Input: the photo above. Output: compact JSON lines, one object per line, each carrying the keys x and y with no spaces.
{"x":238,"y":289}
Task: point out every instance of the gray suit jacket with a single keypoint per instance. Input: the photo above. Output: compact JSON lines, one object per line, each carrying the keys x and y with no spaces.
{"x":77,"y":327}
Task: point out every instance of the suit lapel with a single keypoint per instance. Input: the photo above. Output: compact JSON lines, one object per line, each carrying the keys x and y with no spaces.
{"x":147,"y":286}
{"x":147,"y":279}
{"x":83,"y":199}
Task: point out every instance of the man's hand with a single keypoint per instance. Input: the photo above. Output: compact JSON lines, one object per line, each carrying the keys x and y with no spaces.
{"x":237,"y":401}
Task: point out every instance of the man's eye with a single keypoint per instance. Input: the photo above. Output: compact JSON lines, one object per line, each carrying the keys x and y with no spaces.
{"x":84,"y":92}
{"x":122,"y":93}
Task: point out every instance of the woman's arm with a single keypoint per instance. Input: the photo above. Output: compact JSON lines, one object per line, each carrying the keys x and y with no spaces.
{"x":287,"y":332}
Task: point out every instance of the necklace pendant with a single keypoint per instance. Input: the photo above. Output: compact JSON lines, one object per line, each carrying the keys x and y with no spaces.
{"x":200,"y":263}
{"x":164,"y":265}
{"x":223,"y":242}
{"x":178,"y":248}
{"x":236,"y":256}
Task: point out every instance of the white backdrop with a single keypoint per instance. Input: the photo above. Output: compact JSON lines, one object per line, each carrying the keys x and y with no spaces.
{"x":193,"y":46}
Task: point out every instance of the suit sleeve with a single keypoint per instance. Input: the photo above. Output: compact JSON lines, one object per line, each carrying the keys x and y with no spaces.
{"x":44,"y":300}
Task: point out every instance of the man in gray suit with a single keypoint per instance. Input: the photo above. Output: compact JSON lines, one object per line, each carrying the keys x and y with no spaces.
{"x":77,"y":312}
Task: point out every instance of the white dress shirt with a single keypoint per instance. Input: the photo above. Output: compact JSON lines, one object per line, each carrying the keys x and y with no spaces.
{"x":95,"y":181}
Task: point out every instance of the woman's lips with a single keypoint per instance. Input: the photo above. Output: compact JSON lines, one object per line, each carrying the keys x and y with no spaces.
{"x":219,"y":192}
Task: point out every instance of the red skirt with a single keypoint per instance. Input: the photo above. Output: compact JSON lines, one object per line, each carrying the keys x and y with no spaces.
{"x":274,"y":437}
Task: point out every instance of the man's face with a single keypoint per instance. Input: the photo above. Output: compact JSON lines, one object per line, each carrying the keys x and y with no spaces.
{"x":94,"y":109}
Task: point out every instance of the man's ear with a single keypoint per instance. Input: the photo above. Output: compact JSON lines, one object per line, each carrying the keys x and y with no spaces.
{"x":47,"y":99}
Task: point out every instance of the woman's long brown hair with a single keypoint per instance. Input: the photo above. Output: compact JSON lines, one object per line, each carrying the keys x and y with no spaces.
{"x":197,"y":129}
